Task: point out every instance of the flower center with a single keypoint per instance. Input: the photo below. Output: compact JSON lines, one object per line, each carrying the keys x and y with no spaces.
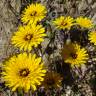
{"x":33,"y":13}
{"x":63,"y":23}
{"x":24,"y":72}
{"x":28,"y":37}
{"x":50,"y":81}
{"x":73,"y":55}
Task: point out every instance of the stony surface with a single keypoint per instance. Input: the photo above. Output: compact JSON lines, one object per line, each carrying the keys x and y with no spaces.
{"x":8,"y":24}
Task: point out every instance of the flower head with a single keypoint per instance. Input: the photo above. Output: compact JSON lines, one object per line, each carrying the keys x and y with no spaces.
{"x":75,"y":55}
{"x":33,"y":13}
{"x":28,"y":36}
{"x":23,"y":71}
{"x":84,"y":22}
{"x":63,"y":22}
{"x":92,"y":37}
{"x":52,"y":80}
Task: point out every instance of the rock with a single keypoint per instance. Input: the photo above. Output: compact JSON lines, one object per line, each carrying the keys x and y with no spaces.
{"x":9,"y":9}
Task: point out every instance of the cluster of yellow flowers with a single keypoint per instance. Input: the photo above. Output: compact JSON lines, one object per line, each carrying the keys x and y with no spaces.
{"x":26,"y":70}
{"x":63,"y":22}
{"x":73,"y":53}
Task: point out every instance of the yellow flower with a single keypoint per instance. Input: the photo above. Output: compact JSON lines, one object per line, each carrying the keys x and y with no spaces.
{"x":52,"y":80}
{"x":84,"y":22}
{"x":23,"y":71}
{"x":63,"y":22}
{"x":28,"y":36}
{"x":75,"y":55}
{"x":33,"y":13}
{"x":92,"y":37}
